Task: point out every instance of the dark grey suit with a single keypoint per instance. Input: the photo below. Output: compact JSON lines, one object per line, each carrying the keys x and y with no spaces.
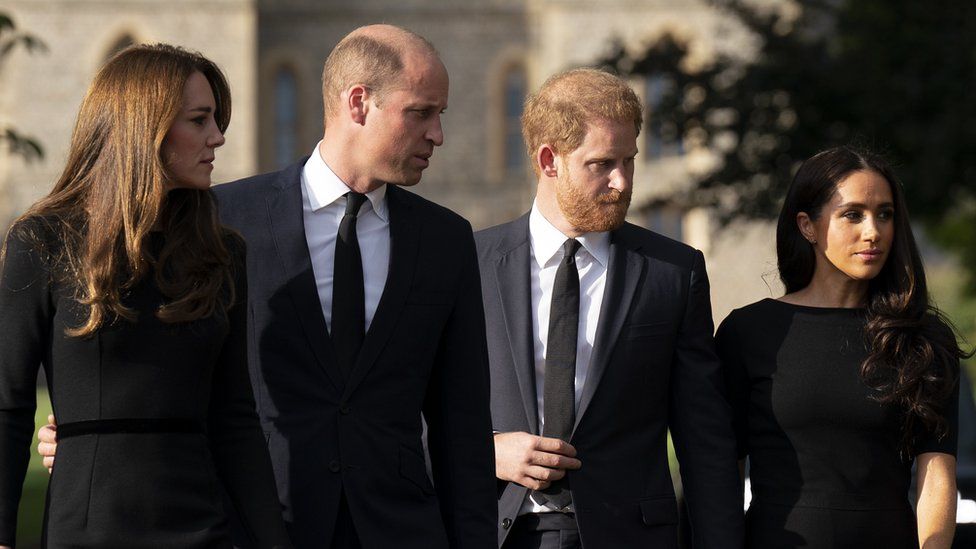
{"x":424,"y":352}
{"x":653,"y":367}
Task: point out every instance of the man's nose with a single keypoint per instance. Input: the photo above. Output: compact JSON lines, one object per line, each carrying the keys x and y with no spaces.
{"x":435,"y":133}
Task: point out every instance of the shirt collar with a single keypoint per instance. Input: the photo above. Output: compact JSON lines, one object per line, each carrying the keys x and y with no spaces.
{"x":546,"y":240}
{"x":324,"y":186}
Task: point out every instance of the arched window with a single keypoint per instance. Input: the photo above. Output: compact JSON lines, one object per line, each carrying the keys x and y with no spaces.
{"x":120,"y":44}
{"x":660,"y":139}
{"x":285,"y":117}
{"x":514,"y":97}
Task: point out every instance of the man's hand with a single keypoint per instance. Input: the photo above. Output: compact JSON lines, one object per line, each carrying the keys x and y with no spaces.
{"x":47,"y":444}
{"x":531,"y":460}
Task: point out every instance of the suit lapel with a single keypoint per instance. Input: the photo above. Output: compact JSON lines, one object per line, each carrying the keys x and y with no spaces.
{"x":624,"y":271}
{"x":288,"y":230}
{"x":405,"y":227}
{"x":514,"y":290}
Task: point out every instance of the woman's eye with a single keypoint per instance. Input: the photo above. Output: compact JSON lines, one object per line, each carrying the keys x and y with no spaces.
{"x":886,"y":215}
{"x":853,"y":216}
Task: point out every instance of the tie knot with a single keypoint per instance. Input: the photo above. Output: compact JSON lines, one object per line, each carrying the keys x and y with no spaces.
{"x":354,"y":201}
{"x":570,"y":247}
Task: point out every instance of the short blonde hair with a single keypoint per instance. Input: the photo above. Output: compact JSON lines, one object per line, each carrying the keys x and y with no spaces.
{"x":559,"y":112}
{"x":368,"y":57}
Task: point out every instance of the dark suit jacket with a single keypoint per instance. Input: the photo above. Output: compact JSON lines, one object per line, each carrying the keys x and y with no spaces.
{"x":653,"y":367}
{"x":424,"y":352}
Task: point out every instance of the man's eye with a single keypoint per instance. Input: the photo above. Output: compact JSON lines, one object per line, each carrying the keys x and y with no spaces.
{"x":422,"y":113}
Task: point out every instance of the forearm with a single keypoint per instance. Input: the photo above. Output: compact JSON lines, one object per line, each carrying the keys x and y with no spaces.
{"x":936,"y":506}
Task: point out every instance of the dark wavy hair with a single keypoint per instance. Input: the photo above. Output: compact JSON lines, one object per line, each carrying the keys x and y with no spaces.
{"x":913,"y":357}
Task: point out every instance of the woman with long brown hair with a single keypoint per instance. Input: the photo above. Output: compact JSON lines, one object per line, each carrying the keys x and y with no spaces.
{"x":839,"y":386}
{"x":124,"y":286}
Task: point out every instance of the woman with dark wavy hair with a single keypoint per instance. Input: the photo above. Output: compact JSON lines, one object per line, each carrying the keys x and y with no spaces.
{"x":839,"y":386}
{"x":124,"y":286}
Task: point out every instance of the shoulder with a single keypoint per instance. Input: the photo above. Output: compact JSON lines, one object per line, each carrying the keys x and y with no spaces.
{"x":246,"y":186}
{"x":500,"y":238}
{"x":31,"y":247}
{"x":658,"y":247}
{"x":38,"y":235}
{"x":439,"y":217}
{"x":753,"y":315}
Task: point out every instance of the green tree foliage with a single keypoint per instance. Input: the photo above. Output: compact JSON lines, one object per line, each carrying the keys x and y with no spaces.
{"x":889,"y":75}
{"x":11,"y":38}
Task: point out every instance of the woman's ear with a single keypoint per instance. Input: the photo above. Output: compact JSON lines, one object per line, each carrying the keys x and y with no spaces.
{"x":806,"y":226}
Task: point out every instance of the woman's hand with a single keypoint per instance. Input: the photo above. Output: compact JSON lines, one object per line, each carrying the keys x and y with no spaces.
{"x":47,"y":443}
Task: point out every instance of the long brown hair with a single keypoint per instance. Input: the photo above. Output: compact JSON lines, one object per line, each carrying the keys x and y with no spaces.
{"x":913,"y":350}
{"x":112,"y":194}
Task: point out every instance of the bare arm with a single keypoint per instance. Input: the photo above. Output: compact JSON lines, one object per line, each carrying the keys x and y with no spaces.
{"x":936,"y":509}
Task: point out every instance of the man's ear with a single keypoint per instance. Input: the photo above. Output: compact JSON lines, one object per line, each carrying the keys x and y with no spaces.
{"x":357,"y":103}
{"x":547,"y":160}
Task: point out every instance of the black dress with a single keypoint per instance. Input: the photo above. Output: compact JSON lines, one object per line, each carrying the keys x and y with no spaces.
{"x":154,"y":418}
{"x":824,"y":460}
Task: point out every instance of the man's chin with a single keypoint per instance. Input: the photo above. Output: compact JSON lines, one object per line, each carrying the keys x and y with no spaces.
{"x":404,"y":181}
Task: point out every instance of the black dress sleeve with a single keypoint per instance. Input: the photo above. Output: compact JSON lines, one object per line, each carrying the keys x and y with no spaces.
{"x":727,"y":343}
{"x":236,"y":439}
{"x":25,"y":323}
{"x":929,"y":441}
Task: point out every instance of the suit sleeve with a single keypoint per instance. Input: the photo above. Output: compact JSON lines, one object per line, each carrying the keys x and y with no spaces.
{"x":459,"y":421}
{"x":25,"y":319}
{"x":236,"y":440}
{"x":700,"y":423}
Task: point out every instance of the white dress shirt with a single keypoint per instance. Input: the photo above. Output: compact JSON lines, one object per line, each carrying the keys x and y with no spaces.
{"x":592,"y":258}
{"x":323,"y":205}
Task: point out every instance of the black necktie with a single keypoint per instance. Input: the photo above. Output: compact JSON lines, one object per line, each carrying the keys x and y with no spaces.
{"x":348,"y":296}
{"x":559,"y":397}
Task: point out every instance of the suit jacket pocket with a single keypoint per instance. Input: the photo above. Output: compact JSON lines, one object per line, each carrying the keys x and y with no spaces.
{"x":659,"y":511}
{"x":414,"y":469}
{"x":638,"y":331}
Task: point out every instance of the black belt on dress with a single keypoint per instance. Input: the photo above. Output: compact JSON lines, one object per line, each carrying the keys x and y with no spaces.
{"x":126,"y":426}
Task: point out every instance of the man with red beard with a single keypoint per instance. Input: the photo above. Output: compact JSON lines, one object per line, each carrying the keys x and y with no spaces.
{"x":600,"y":341}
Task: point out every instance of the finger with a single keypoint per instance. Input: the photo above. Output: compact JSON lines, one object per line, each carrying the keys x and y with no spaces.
{"x":556,"y":446}
{"x":49,"y":463}
{"x":47,"y":434}
{"x":544,"y":474}
{"x":534,"y":484}
{"x":51,"y":422}
{"x":555,"y":461}
{"x":47,"y":449}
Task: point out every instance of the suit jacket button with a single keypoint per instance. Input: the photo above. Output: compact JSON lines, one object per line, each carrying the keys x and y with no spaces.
{"x":506,"y":523}
{"x":334,"y":466}
{"x":344,"y":409}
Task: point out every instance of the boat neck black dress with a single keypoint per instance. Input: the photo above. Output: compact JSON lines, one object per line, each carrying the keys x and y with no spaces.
{"x":161,"y":416}
{"x":825,"y":468}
